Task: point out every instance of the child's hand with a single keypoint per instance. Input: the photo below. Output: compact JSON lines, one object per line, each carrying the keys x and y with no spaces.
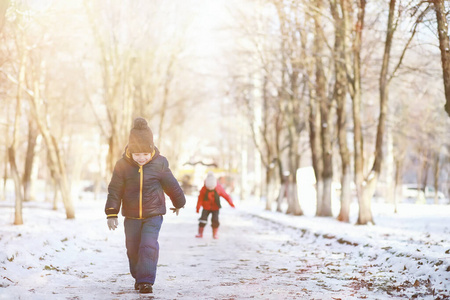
{"x":175,"y":210}
{"x":113,"y":223}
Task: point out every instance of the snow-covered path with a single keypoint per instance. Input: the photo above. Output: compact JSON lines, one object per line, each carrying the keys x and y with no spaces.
{"x":253,"y":259}
{"x":258,"y":256}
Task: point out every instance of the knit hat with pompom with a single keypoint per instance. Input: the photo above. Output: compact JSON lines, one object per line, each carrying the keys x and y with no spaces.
{"x":141,"y":137}
{"x":210,"y":181}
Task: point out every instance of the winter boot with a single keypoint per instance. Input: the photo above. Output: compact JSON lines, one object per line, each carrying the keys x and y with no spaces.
{"x":215,"y":230}
{"x":200,"y":232}
{"x":145,"y":288}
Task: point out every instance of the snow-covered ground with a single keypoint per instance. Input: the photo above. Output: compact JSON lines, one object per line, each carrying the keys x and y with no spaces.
{"x":259,"y":255}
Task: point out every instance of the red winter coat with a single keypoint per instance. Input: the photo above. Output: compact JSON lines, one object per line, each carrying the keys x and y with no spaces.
{"x":209,"y":203}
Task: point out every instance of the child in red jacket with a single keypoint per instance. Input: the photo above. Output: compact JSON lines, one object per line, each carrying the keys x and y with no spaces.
{"x":209,"y":198}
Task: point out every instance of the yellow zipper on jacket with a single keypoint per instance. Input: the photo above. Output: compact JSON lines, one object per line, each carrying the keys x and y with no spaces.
{"x":141,"y":179}
{"x":140,"y":190}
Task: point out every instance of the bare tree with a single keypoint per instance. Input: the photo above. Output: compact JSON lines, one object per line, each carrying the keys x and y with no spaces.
{"x":365,"y":212}
{"x":29,"y":159}
{"x":12,"y":149}
{"x":139,"y":68}
{"x":56,"y":161}
{"x":316,"y":147}
{"x":291,"y":87}
{"x":315,"y":128}
{"x":264,"y":132}
{"x":34,"y":88}
{"x":116,"y":63}
{"x":339,"y":11}
{"x":257,"y":93}
{"x":326,"y":114}
{"x":353,"y":62}
{"x":444,"y":46}
{"x":427,"y":145}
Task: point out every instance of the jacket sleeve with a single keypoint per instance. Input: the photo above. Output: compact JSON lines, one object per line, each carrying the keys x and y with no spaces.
{"x":115,"y":192}
{"x":201,"y":196}
{"x":221,"y":191}
{"x":171,"y":186}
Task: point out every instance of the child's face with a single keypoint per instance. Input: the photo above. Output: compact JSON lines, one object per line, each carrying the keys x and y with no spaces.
{"x":141,"y":158}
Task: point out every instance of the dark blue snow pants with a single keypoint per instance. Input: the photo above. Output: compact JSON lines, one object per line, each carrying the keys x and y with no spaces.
{"x":214,"y":218}
{"x":141,"y":239}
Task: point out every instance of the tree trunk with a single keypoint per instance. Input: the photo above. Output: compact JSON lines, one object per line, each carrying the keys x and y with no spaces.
{"x":293,"y":159}
{"x":283,"y":186}
{"x":327,"y":156}
{"x":324,"y":204}
{"x":436,"y":171}
{"x":290,"y":103}
{"x":244,"y":191}
{"x":326,"y":114}
{"x":113,"y":151}
{"x":18,"y":220}
{"x":281,"y":195}
{"x":316,"y":148}
{"x":314,"y":120}
{"x":294,"y":207}
{"x":18,"y":187}
{"x":268,"y":187}
{"x":340,"y":93}
{"x":398,"y":195}
{"x":425,"y":166}
{"x":346,"y":193}
{"x":355,"y":92}
{"x":165,"y":100}
{"x":55,"y":162}
{"x":444,"y":46}
{"x":29,"y":160}
{"x":5,"y":176}
{"x":389,"y":166}
{"x":54,"y":187}
{"x":292,"y":195}
{"x":365,"y":213}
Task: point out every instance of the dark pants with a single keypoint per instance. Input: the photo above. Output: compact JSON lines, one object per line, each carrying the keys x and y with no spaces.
{"x":214,"y":219}
{"x":141,"y":239}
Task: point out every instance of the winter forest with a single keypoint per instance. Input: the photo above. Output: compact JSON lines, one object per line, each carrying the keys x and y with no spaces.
{"x":326,"y":121}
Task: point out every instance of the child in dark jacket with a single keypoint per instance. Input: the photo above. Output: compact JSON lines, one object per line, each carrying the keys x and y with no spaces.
{"x":209,"y":198}
{"x":138,"y":184}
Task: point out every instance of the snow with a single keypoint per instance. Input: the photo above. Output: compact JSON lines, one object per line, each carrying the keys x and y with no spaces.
{"x":259,"y":255}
